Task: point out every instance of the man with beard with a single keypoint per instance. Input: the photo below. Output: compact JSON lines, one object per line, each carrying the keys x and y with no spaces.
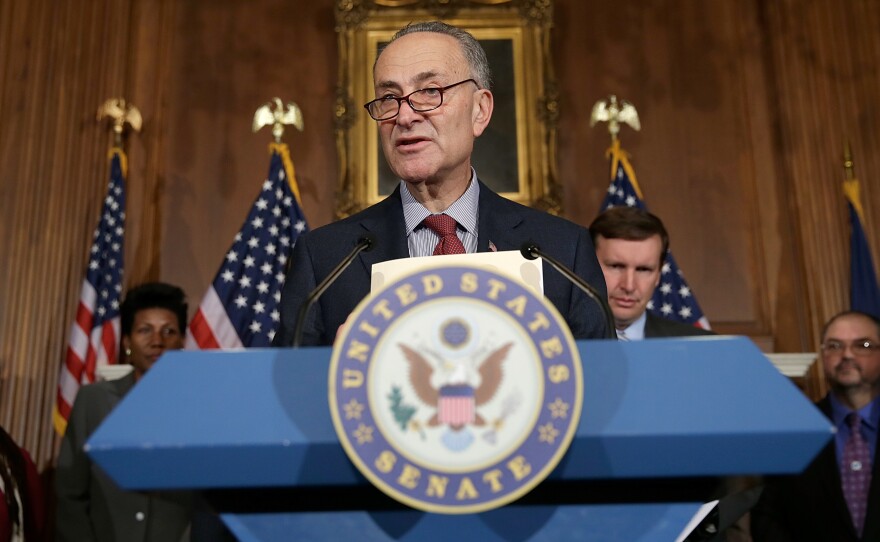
{"x":837,"y":497}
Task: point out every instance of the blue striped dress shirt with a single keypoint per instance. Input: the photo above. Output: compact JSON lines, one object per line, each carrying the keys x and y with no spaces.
{"x":421,"y":239}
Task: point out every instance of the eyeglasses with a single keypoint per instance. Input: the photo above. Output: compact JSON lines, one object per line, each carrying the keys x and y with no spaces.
{"x":421,"y":101}
{"x":860,"y":347}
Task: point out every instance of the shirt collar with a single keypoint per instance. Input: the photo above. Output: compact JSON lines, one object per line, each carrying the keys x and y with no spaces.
{"x":869,"y":413}
{"x":463,"y":210}
{"x":636,"y":330}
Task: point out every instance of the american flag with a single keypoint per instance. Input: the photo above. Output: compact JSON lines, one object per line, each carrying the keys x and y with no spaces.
{"x":864,"y":291}
{"x":94,"y":335}
{"x":673,"y":298}
{"x":240,"y":308}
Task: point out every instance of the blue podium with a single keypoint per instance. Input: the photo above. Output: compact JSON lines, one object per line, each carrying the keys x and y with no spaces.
{"x":662,"y":420}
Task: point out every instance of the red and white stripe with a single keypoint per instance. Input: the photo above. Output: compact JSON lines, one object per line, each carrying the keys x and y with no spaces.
{"x":456,"y":410}
{"x":88,"y":348}
{"x":210,"y":328}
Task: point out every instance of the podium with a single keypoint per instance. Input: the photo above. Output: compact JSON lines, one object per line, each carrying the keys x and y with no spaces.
{"x":662,"y":420}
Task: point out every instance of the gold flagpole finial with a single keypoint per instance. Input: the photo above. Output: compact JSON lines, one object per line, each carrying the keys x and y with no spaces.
{"x":614,"y":113}
{"x":848,"y":161}
{"x":120,"y":113}
{"x":278,"y":117}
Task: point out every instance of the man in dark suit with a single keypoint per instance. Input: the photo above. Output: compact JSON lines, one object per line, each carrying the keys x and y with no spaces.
{"x":432,"y":101}
{"x":631,"y":246}
{"x":837,"y":497}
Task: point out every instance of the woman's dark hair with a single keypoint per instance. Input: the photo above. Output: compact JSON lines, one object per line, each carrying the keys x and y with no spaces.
{"x":153,"y":295}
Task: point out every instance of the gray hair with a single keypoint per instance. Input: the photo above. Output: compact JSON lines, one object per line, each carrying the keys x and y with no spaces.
{"x":470,"y":47}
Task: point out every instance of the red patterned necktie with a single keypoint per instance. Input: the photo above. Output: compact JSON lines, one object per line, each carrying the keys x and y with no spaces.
{"x":855,"y":472}
{"x":445,"y":227}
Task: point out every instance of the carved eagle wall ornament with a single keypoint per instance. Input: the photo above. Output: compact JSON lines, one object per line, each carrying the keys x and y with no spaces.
{"x":614,"y":113}
{"x":278,"y":117}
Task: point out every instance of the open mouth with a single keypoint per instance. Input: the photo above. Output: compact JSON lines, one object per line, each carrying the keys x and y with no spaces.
{"x":410,"y":142}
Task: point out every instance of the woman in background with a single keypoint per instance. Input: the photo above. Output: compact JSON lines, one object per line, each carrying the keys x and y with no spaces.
{"x":90,"y":505}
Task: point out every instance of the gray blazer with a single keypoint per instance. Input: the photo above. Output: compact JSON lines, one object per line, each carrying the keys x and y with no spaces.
{"x":91,"y":507}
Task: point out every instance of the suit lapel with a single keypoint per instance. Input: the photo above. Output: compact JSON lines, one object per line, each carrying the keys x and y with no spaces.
{"x":498,"y":222}
{"x":385,"y":221}
{"x":650,"y":326}
{"x":872,"y":517}
{"x":828,"y":472}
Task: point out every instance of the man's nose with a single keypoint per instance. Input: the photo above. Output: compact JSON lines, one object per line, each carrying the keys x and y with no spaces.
{"x":406,"y":114}
{"x":628,"y":280}
{"x":848,"y":352}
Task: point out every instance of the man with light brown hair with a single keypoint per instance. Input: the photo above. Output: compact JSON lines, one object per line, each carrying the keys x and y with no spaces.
{"x":631,"y":246}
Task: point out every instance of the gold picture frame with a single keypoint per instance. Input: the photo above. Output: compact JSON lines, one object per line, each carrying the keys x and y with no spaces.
{"x":516,"y":156}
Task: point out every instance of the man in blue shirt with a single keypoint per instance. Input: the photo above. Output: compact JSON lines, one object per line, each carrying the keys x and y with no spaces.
{"x":838,"y":496}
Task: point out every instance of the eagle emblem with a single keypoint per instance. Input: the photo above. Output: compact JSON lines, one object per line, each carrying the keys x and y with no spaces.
{"x":456,"y":389}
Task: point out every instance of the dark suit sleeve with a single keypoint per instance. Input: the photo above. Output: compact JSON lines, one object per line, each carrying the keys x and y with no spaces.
{"x":769,"y":521}
{"x":585,"y":316}
{"x":299,"y":283}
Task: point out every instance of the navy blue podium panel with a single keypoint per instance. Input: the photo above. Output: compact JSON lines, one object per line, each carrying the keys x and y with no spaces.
{"x":655,"y":522}
{"x":661,"y":408}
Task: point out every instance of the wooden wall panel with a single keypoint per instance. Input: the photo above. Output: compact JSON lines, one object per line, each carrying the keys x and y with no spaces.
{"x":58,"y":62}
{"x":693,"y":70}
{"x":825,"y":57}
{"x":229,"y":59}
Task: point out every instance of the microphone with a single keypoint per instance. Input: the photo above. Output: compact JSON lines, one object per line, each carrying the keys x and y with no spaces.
{"x":365,"y":243}
{"x":531,"y":251}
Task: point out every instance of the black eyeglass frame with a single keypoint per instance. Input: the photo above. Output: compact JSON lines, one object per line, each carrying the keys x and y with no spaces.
{"x":401,"y":99}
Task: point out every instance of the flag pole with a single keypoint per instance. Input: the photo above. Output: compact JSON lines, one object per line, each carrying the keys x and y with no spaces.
{"x":848,"y":161}
{"x":615,"y":113}
{"x":864,"y":288}
{"x":276,"y":114}
{"x":120,"y":113}
{"x":94,"y":336}
{"x":851,"y":186}
{"x":241,"y":307}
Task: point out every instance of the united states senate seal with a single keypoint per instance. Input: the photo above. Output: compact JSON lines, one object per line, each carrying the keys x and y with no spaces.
{"x":455,"y":390}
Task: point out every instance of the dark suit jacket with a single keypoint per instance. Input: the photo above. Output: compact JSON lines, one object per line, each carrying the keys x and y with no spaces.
{"x":505,"y":223}
{"x":810,"y":506}
{"x":91,"y":507}
{"x":656,"y":326}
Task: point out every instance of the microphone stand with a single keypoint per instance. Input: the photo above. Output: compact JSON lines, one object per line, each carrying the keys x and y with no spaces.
{"x":531,"y":251}
{"x":364,"y":244}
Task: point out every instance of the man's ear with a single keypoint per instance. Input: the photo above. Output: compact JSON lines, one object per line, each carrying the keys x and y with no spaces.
{"x":483,"y":106}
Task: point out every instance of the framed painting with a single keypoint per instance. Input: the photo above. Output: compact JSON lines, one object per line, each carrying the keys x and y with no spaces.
{"x":515,"y":156}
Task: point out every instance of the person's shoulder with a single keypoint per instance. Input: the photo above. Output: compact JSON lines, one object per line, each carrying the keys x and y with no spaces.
{"x":499,"y":203}
{"x":105,"y":388}
{"x":665,"y":327}
{"x":377,"y":211}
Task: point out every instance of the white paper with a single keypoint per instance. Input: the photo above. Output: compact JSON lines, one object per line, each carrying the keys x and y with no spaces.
{"x":695,"y":521}
{"x":509,"y":263}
